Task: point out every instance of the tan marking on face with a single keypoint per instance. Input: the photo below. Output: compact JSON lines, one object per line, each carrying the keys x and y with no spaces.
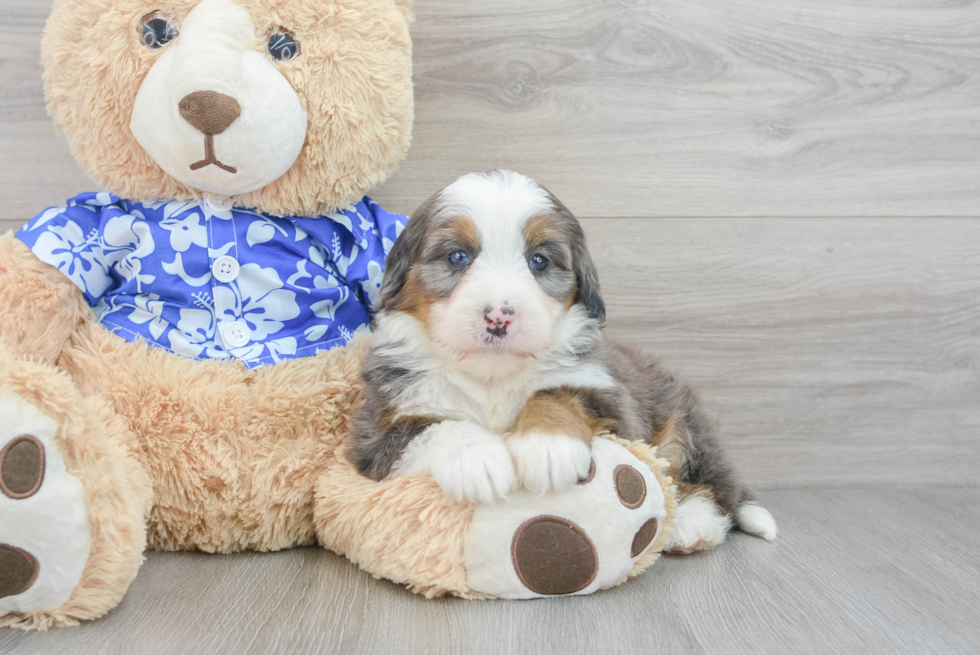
{"x":572,"y":297}
{"x":412,"y":298}
{"x":559,"y":412}
{"x":539,"y":229}
{"x":544,"y":229}
{"x":465,"y":231}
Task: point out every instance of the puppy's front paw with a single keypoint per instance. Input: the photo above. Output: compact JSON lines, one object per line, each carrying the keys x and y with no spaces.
{"x":477,"y":472}
{"x":549,"y":461}
{"x":469,"y":463}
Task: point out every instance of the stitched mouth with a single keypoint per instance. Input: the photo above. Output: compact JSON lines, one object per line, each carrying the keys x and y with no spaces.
{"x":209,"y":157}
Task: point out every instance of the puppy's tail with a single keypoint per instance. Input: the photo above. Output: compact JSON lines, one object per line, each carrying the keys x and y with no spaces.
{"x":756,"y":519}
{"x":675,"y":444}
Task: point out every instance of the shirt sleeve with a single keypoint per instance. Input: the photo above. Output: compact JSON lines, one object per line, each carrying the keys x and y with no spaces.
{"x":375,"y":231}
{"x":70,"y":239}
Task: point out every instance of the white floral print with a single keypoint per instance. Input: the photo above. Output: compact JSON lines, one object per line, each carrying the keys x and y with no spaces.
{"x":149,"y":309}
{"x":259,"y":299}
{"x":186,"y":231}
{"x":75,"y":254}
{"x":303,"y":284}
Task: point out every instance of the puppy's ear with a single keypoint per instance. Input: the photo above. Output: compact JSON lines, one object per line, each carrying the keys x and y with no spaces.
{"x":404,"y":254}
{"x":586,"y":276}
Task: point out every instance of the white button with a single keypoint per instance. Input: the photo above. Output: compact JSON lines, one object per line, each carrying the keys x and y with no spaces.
{"x":218,"y":203}
{"x":236,"y":334}
{"x":225,"y":268}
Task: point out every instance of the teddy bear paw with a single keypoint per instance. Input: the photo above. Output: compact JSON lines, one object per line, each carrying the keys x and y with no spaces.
{"x":44,"y":529}
{"x":585,"y":537}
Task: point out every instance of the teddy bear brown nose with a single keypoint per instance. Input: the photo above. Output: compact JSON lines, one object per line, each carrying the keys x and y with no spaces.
{"x":209,"y":111}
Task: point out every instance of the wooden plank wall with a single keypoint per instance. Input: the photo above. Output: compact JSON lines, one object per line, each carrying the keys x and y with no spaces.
{"x":780,"y":198}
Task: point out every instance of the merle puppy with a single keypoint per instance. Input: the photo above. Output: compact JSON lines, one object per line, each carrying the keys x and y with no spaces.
{"x":488,"y":369}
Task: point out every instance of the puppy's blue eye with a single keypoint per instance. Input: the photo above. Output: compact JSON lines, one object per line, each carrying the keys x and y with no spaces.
{"x":459,"y":258}
{"x":538,"y":262}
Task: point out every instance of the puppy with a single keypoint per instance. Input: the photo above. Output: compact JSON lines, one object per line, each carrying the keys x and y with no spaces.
{"x":487,"y":367}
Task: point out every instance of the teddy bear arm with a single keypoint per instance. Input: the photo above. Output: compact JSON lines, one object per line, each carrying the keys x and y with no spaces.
{"x":41,"y":306}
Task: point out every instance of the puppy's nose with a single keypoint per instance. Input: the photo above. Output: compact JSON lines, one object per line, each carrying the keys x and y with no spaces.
{"x":209,"y":111}
{"x":498,"y":316}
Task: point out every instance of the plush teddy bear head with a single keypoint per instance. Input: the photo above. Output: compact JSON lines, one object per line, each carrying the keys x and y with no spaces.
{"x":295,"y":107}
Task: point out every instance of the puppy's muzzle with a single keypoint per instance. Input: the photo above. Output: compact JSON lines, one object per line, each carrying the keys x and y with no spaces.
{"x":498,"y":319}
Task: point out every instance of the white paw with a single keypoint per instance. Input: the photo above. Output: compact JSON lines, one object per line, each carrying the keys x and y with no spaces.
{"x":44,"y":529}
{"x":756,"y":519}
{"x":698,"y":525}
{"x":469,"y":463}
{"x":549,"y":461}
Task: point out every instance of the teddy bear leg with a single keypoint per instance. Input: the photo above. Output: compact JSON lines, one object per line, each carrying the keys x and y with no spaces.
{"x":73,"y":500}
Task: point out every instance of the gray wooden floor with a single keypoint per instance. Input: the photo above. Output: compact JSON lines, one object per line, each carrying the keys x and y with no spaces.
{"x":858,"y":570}
{"x":783,"y":201}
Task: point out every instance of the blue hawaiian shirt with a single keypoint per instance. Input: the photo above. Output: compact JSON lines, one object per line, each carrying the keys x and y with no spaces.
{"x":210,"y":282}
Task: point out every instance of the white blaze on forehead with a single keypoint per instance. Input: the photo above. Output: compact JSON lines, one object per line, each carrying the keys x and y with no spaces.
{"x":499,"y":204}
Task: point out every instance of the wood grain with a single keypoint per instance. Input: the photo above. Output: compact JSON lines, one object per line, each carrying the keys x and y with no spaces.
{"x":635,"y":108}
{"x":835,"y":351}
{"x":709,"y":108}
{"x":885,"y":570}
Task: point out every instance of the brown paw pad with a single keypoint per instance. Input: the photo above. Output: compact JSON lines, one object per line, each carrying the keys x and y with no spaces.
{"x":630,"y":486}
{"x":643,"y":537}
{"x":554,"y":556}
{"x":21,"y":467}
{"x":18,"y":570}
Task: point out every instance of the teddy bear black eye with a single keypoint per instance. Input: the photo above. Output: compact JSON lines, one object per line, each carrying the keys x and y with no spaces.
{"x":459,"y":258}
{"x":538,"y":262}
{"x":283,"y":46}
{"x":159,"y":29}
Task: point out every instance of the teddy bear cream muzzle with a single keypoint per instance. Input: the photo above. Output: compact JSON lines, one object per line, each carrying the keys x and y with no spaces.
{"x":214,"y":113}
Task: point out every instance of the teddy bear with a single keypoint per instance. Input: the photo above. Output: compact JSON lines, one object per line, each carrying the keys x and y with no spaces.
{"x":180,"y":351}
